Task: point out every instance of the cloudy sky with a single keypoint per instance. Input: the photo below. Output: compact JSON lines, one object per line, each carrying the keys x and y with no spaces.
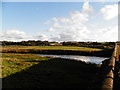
{"x":59,"y":21}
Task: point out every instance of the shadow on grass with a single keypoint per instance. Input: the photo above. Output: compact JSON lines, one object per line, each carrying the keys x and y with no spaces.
{"x":55,"y":73}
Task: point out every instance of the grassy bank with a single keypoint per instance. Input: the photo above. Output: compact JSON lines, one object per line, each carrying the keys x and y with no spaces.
{"x":14,"y":62}
{"x":32,"y":71}
{"x":75,"y":48}
{"x":71,"y":50}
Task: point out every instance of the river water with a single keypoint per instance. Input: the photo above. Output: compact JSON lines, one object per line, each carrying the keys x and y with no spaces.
{"x":92,"y":59}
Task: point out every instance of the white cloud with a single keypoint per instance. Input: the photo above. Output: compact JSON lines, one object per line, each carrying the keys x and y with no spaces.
{"x":78,"y":17}
{"x":75,"y":27}
{"x":74,"y":17}
{"x":105,"y":34}
{"x":40,"y":36}
{"x":51,"y":29}
{"x":71,"y":27}
{"x":17,"y":35}
{"x":87,"y":9}
{"x":109,"y":11}
{"x":14,"y":35}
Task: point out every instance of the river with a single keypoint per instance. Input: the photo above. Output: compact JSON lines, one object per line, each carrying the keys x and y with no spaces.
{"x":92,"y":59}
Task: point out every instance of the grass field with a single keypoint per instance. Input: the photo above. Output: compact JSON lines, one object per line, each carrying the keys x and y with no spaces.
{"x":59,"y":50}
{"x":22,"y":70}
{"x":11,"y":47}
{"x":15,"y":62}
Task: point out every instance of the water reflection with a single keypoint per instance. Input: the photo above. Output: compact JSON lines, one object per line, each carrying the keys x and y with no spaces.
{"x":92,"y":59}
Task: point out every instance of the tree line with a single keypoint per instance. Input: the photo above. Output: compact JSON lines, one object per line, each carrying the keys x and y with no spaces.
{"x":47,"y":43}
{"x":91,"y":44}
{"x":26,"y":43}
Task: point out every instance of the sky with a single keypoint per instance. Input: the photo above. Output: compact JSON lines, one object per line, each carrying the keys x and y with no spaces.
{"x":59,"y":21}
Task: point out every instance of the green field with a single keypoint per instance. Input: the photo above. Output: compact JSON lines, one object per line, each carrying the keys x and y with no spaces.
{"x":22,"y":70}
{"x":15,"y":62}
{"x":11,"y":47}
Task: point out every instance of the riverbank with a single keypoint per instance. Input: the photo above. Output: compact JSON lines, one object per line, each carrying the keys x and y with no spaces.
{"x":21,"y":70}
{"x":20,"y":67}
{"x":58,"y":50}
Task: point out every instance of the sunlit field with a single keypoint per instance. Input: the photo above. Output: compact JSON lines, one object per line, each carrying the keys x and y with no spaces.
{"x":15,"y":62}
{"x":12,"y":47}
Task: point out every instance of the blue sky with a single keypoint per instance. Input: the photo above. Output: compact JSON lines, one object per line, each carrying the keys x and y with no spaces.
{"x":37,"y":20}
